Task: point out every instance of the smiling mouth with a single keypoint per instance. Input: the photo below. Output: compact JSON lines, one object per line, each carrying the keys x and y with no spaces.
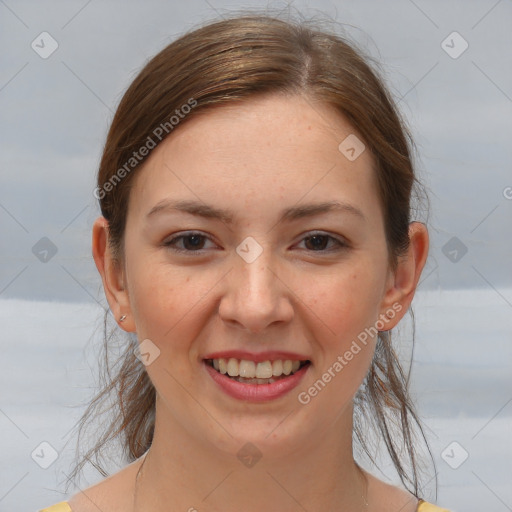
{"x":251,"y":372}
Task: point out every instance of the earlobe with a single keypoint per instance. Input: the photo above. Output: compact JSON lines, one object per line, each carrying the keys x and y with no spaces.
{"x":403,"y":282}
{"x":111,"y":275}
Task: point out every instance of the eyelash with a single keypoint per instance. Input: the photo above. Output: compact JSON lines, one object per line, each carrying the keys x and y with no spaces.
{"x":171,"y":244}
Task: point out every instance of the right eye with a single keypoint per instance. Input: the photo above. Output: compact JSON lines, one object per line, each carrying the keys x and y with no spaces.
{"x":190,"y":242}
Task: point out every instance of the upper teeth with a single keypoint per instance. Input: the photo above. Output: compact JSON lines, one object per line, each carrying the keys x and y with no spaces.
{"x":250,"y":369}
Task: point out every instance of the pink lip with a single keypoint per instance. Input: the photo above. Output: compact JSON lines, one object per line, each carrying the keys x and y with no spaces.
{"x":257,"y":357}
{"x":255,"y":392}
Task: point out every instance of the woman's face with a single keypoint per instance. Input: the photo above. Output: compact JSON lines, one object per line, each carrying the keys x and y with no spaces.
{"x":262,"y":272}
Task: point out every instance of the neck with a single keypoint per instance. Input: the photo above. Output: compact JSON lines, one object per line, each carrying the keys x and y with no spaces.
{"x":194,"y":475}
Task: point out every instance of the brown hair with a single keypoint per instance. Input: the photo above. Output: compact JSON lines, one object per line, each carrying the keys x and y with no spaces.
{"x":233,"y":60}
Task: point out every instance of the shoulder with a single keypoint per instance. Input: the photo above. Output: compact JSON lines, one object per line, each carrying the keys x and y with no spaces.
{"x":389,"y":498}
{"x":63,"y":506}
{"x":428,"y":507}
{"x":113,"y":494}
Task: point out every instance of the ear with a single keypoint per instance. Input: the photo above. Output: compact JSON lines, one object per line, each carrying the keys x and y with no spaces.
{"x":402,"y":283}
{"x":112,"y":275}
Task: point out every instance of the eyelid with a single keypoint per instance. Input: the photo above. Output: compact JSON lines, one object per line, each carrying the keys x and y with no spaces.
{"x":340,"y":241}
{"x":169,"y":243}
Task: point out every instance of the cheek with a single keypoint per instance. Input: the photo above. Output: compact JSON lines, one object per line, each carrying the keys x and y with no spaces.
{"x":347,"y":303}
{"x":170,"y":304}
{"x":159,"y":294}
{"x":348,"y":306}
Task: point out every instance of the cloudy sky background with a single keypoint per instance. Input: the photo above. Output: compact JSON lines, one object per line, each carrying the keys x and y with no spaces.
{"x":55,"y":113}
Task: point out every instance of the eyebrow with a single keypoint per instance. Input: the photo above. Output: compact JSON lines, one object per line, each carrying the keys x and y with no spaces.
{"x":287,"y":215}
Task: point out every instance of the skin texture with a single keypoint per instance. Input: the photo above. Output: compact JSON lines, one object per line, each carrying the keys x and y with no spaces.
{"x":255,"y":159}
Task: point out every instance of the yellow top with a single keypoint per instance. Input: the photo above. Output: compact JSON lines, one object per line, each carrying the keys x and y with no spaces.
{"x":423,"y":506}
{"x":59,"y":507}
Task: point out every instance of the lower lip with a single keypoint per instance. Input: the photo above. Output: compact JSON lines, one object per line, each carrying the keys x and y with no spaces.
{"x":256,"y":392}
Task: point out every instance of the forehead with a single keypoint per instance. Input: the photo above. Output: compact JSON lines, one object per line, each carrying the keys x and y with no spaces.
{"x":266,"y":125}
{"x":281,"y":148}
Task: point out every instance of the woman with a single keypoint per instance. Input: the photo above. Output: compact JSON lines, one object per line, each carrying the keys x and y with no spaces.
{"x":234,"y":153}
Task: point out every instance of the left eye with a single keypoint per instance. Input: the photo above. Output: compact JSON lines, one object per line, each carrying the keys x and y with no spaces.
{"x":318,"y":242}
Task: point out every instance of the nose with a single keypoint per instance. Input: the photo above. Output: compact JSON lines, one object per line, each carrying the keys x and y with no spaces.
{"x":256,"y":296}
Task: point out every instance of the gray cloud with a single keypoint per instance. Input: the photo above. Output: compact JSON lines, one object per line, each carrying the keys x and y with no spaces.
{"x":56,"y":112}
